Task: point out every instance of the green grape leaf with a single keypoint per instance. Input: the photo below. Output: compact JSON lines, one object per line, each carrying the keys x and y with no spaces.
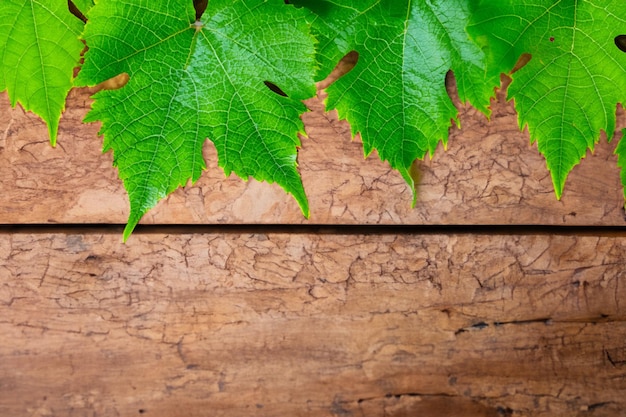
{"x":189,"y":81}
{"x":40,"y":45}
{"x":568,"y":91}
{"x":395,"y":96}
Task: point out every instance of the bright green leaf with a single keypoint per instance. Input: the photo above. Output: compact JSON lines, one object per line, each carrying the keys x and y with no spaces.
{"x":192,"y":80}
{"x":568,"y":91}
{"x":40,"y":45}
{"x":395,"y":97}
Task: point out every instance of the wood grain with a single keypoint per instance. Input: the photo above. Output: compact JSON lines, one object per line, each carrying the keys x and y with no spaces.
{"x":286,"y":324}
{"x":489,"y":175}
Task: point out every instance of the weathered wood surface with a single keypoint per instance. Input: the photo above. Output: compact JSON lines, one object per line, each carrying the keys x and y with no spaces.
{"x":489,"y":175}
{"x":278,"y":324}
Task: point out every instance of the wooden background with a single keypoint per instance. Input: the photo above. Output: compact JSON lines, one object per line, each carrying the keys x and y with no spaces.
{"x":490,"y":298}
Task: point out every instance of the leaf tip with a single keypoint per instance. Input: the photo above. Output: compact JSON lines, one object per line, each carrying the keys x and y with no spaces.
{"x":412,"y":177}
{"x":303,"y":202}
{"x":559,"y":185}
{"x":128,"y":230}
{"x":53,"y":130}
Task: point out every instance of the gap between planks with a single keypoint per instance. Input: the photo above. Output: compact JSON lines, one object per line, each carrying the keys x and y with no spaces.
{"x":340,"y":229}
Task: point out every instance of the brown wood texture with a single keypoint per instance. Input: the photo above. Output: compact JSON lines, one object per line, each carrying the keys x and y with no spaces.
{"x":490,"y":174}
{"x":287,"y":324}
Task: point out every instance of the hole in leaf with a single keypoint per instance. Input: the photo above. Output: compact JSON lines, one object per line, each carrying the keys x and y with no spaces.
{"x":200,"y":6}
{"x":523,"y":60}
{"x":114,"y":83}
{"x":620,"y":42}
{"x":344,"y":66}
{"x":74,"y":10}
{"x":348,"y":62}
{"x":276,"y":89}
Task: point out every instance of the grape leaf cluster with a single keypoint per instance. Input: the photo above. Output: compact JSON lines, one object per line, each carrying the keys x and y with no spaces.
{"x":237,"y":73}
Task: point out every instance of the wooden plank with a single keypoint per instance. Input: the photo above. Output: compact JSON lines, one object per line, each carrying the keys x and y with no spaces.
{"x":490,"y":174}
{"x":275,"y":324}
